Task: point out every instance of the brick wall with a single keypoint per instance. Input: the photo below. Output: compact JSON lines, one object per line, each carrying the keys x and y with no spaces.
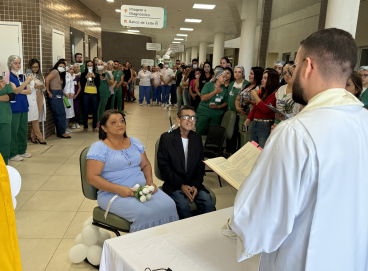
{"x":50,"y":14}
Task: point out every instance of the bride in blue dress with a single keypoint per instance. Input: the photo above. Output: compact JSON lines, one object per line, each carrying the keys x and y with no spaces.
{"x":114,"y":165}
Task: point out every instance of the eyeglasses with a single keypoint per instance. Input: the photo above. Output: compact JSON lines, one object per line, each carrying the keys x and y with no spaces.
{"x":291,"y":68}
{"x":187,"y":117}
{"x":365,"y":75}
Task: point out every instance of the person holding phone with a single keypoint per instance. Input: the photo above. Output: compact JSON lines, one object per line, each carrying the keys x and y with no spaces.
{"x":55,"y":83}
{"x":90,"y":82}
{"x":214,"y":99}
{"x":69,"y":94}
{"x":106,"y":81}
{"x":76,"y":97}
{"x":36,"y":101}
{"x":19,"y":107}
{"x":6,"y":96}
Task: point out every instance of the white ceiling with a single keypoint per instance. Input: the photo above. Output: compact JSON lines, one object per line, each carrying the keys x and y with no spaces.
{"x":223,"y":18}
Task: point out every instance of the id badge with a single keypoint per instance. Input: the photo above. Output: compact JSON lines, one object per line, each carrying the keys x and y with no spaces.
{"x":58,"y":96}
{"x":231,"y":93}
{"x":218,"y":100}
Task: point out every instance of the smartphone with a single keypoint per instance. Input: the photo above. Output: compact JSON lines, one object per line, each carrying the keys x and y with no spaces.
{"x":90,"y":69}
{"x":6,"y":76}
{"x":28,"y":72}
{"x":245,"y":129}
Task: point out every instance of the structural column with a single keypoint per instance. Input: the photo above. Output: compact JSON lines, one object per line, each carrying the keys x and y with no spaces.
{"x":182,"y":57}
{"x":218,"y":48}
{"x":248,"y":34}
{"x":187,"y":59}
{"x":343,"y":14}
{"x":202,"y":51}
{"x":194,"y":53}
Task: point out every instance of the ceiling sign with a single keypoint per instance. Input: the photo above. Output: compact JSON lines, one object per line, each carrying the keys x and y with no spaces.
{"x":177,"y":47}
{"x":154,"y":46}
{"x":148,"y":62}
{"x":141,"y":16}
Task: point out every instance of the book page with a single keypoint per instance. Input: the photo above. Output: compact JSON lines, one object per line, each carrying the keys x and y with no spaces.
{"x":244,"y":159}
{"x":227,"y":171}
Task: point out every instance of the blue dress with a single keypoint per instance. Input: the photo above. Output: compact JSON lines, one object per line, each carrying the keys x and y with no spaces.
{"x":122,"y":168}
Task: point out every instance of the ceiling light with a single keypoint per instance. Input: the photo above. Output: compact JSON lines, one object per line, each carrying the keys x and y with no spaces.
{"x":133,"y":31}
{"x":176,"y":42}
{"x":203,"y":6}
{"x":178,"y":39}
{"x":110,"y":0}
{"x":182,"y":35}
{"x":186,"y":29}
{"x":118,"y":10}
{"x":193,"y":20}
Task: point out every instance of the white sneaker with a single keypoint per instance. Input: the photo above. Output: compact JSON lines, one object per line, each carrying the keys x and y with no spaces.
{"x":140,"y":104}
{"x":77,"y":126}
{"x":74,"y":126}
{"x":25,"y":155}
{"x":69,"y":130}
{"x":16,"y":158}
{"x":163,"y":105}
{"x":153,"y":103}
{"x":159,"y":103}
{"x":167,"y":105}
{"x":148,"y":104}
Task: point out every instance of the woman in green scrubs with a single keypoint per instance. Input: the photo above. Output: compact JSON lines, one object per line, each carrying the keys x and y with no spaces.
{"x":234,"y":143}
{"x":214,"y":99}
{"x":6,"y":95}
{"x":105,"y":81}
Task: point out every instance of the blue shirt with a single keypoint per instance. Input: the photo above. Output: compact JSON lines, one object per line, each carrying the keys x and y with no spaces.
{"x":20,"y":104}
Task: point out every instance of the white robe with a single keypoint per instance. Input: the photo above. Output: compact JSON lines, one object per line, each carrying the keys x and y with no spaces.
{"x":69,"y":88}
{"x":305,"y":203}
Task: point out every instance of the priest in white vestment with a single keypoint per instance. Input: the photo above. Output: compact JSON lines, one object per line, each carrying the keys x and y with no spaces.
{"x":305,"y":204}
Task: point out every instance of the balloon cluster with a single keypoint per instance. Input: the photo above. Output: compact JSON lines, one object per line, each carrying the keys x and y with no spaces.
{"x":88,"y":244}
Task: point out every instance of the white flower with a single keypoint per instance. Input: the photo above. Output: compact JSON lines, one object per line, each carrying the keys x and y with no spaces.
{"x":151,"y":188}
{"x":148,"y":197}
{"x":146,"y":191}
{"x":140,"y":193}
{"x":136,"y":187}
{"x":143,"y":198}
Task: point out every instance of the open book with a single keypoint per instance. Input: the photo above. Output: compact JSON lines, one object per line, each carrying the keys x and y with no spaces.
{"x":237,"y":168}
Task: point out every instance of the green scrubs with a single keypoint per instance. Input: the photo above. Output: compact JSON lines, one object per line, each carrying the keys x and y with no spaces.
{"x":364,"y":98}
{"x":19,"y":131}
{"x":104,"y":95}
{"x":83,"y":67}
{"x":118,"y":91}
{"x":5,"y":124}
{"x":206,"y":115}
{"x":232,"y":144}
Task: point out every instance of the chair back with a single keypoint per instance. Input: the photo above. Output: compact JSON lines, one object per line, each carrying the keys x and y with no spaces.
{"x":215,"y":138}
{"x":157,"y":170}
{"x":89,"y":191}
{"x":228,"y":121}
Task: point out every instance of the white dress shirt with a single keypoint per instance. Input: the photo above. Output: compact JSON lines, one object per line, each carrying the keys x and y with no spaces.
{"x":144,"y":78}
{"x":166,"y":74}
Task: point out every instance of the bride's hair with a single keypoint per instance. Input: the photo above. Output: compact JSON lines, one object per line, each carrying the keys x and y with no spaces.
{"x":104,"y":118}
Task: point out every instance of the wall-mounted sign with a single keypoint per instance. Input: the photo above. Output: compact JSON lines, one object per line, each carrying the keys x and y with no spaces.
{"x":154,"y":46}
{"x":141,"y":16}
{"x":177,"y":47}
{"x":148,"y":62}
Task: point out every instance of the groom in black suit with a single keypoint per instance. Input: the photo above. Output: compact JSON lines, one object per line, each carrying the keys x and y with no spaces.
{"x":180,"y":156}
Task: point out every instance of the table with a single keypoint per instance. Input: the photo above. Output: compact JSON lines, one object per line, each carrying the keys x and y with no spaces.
{"x":190,"y":244}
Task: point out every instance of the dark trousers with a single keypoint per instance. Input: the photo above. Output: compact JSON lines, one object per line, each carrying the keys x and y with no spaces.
{"x":260,"y":132}
{"x":173,"y":94}
{"x":203,"y":201}
{"x":195,"y":103}
{"x":76,"y":104}
{"x":90,"y":101}
{"x":233,"y":144}
{"x":57,"y":106}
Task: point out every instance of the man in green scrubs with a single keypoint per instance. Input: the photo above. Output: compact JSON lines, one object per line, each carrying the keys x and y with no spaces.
{"x":6,"y":94}
{"x":364,"y":96}
{"x":79,"y":60}
{"x":103,"y":90}
{"x":118,"y":77}
{"x":214,"y":99}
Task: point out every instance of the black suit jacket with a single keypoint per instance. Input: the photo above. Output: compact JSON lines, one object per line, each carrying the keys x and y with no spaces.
{"x":171,"y":161}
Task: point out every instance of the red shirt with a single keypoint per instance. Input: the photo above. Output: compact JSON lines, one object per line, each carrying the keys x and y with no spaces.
{"x":262,"y":111}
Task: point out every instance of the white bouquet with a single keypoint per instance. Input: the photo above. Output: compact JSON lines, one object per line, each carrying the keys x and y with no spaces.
{"x":143,"y":193}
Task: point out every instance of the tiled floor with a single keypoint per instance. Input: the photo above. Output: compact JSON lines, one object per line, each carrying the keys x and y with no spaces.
{"x":51,"y":207}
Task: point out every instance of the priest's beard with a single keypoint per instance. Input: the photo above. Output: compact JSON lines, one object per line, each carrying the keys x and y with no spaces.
{"x":298,"y":90}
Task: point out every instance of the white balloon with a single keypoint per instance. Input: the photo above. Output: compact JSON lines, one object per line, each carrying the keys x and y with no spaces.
{"x":78,"y":253}
{"x":15,"y":180}
{"x":104,"y":235}
{"x":14,"y":202}
{"x":78,"y":239}
{"x":99,"y":243}
{"x":88,"y":222}
{"x":94,"y":254}
{"x":90,"y":235}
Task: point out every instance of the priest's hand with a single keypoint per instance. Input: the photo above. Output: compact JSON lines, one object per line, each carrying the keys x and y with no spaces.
{"x":187,"y":190}
{"x":273,"y":127}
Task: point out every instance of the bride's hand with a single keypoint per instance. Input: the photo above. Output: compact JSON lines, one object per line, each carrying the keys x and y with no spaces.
{"x":125,"y":192}
{"x":155,"y":186}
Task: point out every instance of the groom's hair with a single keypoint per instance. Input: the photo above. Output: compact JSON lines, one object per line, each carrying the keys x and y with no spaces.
{"x":335,"y":52}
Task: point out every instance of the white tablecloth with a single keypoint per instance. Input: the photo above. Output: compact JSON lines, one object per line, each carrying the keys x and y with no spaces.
{"x":190,"y":244}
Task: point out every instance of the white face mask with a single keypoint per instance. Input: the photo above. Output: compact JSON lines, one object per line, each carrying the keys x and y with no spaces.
{"x":61,"y":69}
{"x":197,"y":75}
{"x":100,"y":68}
{"x":166,"y":66}
{"x":195,"y":66}
{"x":90,"y":69}
{"x":17,"y":73}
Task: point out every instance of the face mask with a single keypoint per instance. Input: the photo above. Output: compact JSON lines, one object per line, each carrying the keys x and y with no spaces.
{"x":100,"y":68}
{"x":61,"y":69}
{"x":195,"y":66}
{"x":197,"y":75}
{"x":17,"y":73}
{"x":166,"y":66}
{"x":90,"y":69}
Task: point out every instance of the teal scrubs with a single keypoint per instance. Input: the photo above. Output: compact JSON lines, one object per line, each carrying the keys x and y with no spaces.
{"x":208,"y":116}
{"x":118,"y":90}
{"x":5,"y":124}
{"x":104,"y":95}
{"x":364,"y":98}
